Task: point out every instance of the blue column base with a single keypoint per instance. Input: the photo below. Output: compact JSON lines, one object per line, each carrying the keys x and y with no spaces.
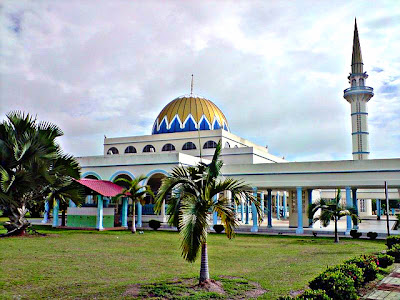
{"x":46,"y":212}
{"x":299,"y":230}
{"x":254,"y":229}
{"x":347,"y":232}
{"x":139,"y":215}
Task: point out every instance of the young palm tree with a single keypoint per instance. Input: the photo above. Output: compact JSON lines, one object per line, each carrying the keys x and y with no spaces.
{"x":135,"y":191}
{"x":331,"y":210}
{"x":193,"y":197}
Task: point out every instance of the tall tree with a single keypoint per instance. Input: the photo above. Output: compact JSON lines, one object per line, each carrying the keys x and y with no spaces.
{"x":31,"y":165}
{"x":195,"y":193}
{"x":134,"y":190}
{"x":331,"y":210}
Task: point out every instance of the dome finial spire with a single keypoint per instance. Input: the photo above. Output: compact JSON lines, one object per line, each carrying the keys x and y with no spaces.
{"x":191,"y":87}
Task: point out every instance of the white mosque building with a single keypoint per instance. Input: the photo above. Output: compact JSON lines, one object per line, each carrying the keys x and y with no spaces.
{"x":188,"y":128}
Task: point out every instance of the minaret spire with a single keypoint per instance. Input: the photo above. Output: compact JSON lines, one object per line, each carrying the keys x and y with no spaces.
{"x":356,"y":59}
{"x":358,"y":96}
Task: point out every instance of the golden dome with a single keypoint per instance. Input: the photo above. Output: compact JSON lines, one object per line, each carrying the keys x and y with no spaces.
{"x":189,"y":113}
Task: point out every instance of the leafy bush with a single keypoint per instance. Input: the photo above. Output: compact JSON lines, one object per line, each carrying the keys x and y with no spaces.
{"x":154,"y":224}
{"x":392,"y":240}
{"x":369,"y":265}
{"x":355,"y":234}
{"x":336,"y":284}
{"x":352,"y":271}
{"x":372,"y":235}
{"x":309,"y":294}
{"x":218,"y":228}
{"x":395,"y":252}
{"x":385,"y":260}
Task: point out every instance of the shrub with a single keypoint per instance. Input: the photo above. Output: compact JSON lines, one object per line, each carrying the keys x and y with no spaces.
{"x":355,"y":234}
{"x":314,"y":294}
{"x":372,"y":235}
{"x":369,"y":265}
{"x":395,"y":252}
{"x":309,"y":294}
{"x":336,"y":284}
{"x":218,"y":228}
{"x":154,"y":224}
{"x":392,"y":240}
{"x":385,"y":260}
{"x":352,"y":271}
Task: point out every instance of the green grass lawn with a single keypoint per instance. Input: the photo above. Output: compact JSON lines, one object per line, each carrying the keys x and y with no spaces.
{"x":78,"y":264}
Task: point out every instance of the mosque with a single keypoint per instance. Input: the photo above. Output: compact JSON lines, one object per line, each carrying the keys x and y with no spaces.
{"x":188,"y":129}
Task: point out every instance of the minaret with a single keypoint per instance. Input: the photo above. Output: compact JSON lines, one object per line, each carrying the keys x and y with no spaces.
{"x":358,"y":96}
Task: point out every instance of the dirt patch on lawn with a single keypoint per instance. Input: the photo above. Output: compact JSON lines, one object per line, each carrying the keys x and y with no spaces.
{"x":222,"y":287}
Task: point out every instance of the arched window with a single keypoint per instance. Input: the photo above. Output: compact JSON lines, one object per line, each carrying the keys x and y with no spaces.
{"x":168,"y":147}
{"x":353,"y":82}
{"x":361,"y":81}
{"x":189,"y":146}
{"x":149,"y":148}
{"x":112,"y":151}
{"x":236,"y":146}
{"x":227,"y":145}
{"x":130,"y":149}
{"x":209,"y":145}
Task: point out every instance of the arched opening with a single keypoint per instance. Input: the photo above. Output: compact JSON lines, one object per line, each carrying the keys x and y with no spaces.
{"x":353,"y":82}
{"x":361,"y":82}
{"x":189,"y":146}
{"x":112,"y":151}
{"x":210,"y":145}
{"x":149,"y":148}
{"x":130,"y":149}
{"x":236,"y":146}
{"x":154,"y":182}
{"x":227,"y":145}
{"x":168,"y":147}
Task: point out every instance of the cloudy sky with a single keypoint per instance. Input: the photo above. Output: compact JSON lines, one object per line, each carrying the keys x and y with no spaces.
{"x":277,"y":69}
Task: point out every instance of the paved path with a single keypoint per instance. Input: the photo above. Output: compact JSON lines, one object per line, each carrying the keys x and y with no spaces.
{"x":388,"y":288}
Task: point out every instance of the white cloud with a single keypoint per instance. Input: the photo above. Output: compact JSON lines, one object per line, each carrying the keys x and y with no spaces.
{"x":277,"y":69}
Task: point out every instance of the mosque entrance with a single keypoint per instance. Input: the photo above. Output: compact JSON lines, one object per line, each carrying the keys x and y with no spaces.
{"x":154,"y":182}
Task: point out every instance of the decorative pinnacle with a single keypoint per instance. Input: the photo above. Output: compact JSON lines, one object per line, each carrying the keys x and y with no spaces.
{"x":356,"y":59}
{"x":191,"y":87}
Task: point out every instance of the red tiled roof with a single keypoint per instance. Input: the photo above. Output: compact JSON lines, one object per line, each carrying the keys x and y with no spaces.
{"x":102,"y":187}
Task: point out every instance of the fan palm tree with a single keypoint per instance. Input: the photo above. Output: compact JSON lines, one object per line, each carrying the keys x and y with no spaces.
{"x":331,"y":210}
{"x":31,"y":164}
{"x":135,"y":191}
{"x":195,"y":193}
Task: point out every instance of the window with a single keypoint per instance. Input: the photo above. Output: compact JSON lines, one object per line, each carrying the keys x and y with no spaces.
{"x":168,"y":147}
{"x":112,"y":151}
{"x":130,"y":149}
{"x":227,"y":145}
{"x":353,"y":82}
{"x":209,"y":145}
{"x":189,"y":146}
{"x":361,"y":82}
{"x":149,"y":148}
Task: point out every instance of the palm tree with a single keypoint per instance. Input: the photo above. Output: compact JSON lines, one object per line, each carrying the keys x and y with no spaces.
{"x":135,"y":191}
{"x":331,"y":210}
{"x":31,"y":163}
{"x":194,"y":190}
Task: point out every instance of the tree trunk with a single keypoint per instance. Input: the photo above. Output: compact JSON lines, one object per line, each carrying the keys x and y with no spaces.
{"x":336,"y":233}
{"x":204,"y":275}
{"x":133,"y":217}
{"x":63,"y":217}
